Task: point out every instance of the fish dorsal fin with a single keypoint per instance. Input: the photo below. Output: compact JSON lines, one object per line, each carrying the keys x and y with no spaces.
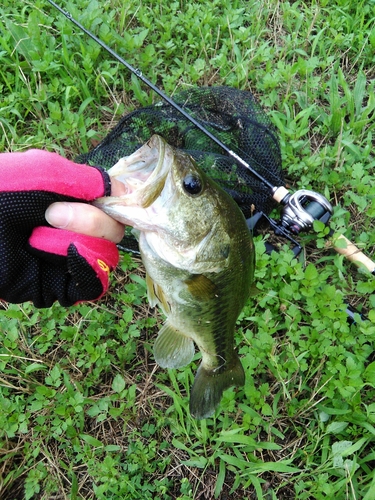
{"x":155,"y":295}
{"x":172,"y":349}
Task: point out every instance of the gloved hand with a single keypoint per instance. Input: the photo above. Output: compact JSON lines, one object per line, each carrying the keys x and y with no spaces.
{"x":38,"y":262}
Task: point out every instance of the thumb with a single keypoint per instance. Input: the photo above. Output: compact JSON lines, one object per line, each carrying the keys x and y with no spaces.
{"x":84,"y":219}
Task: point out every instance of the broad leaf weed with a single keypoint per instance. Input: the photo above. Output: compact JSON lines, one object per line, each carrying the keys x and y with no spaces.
{"x":84,"y":411}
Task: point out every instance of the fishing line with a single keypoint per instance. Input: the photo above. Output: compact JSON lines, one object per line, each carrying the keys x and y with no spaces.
{"x":300,"y":209}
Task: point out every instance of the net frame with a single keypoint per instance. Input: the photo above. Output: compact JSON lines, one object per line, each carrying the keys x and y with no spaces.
{"x":234,"y":116}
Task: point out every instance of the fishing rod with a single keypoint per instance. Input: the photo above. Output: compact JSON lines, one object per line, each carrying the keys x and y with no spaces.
{"x":300,"y":209}
{"x":164,"y":96}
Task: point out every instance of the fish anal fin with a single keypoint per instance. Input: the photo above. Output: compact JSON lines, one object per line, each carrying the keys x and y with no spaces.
{"x":172,"y":349}
{"x":209,"y":386}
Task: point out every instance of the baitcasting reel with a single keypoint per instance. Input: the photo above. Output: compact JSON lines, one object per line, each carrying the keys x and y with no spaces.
{"x":302,"y":208}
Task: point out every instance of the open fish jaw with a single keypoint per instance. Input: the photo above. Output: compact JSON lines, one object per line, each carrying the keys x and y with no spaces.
{"x":143,"y":174}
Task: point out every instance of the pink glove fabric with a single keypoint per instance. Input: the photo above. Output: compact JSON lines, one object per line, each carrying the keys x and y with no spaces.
{"x":39,"y":263}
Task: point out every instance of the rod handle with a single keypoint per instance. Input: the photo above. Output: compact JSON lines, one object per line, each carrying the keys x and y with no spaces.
{"x":353,"y":253}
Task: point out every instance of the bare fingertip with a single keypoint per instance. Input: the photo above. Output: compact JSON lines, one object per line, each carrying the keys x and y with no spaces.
{"x":59,"y":214}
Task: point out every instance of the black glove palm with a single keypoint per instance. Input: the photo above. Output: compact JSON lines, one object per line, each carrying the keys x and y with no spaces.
{"x":38,"y":262}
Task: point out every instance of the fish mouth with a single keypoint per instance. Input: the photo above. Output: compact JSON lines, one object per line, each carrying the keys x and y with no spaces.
{"x":143,"y":174}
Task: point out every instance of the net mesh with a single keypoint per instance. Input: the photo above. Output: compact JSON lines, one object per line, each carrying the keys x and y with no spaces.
{"x":233,"y":116}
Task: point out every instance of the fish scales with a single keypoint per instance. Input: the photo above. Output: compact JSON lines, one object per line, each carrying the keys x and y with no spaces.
{"x":199,"y":259}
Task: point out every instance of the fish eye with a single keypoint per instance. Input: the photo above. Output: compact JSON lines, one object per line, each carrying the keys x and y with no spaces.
{"x":192,"y":184}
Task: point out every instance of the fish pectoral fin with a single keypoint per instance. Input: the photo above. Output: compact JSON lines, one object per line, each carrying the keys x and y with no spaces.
{"x":201,"y":287}
{"x":155,"y":295}
{"x":209,"y":386}
{"x":172,"y":349}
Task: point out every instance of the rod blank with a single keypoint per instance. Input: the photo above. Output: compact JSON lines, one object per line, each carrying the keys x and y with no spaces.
{"x":164,"y":96}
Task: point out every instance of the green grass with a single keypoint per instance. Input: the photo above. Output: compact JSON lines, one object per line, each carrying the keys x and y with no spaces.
{"x":84,"y":411}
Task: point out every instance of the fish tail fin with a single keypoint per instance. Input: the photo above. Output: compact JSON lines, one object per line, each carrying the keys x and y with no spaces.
{"x":209,"y":386}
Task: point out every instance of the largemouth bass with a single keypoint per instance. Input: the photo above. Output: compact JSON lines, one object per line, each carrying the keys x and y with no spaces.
{"x":199,"y":259}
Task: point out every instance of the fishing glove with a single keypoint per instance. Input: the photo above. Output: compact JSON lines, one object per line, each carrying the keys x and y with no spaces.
{"x":40,"y":263}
